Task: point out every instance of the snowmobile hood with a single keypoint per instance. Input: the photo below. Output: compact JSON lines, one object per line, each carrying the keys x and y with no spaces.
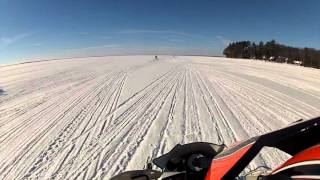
{"x":292,"y":140}
{"x":181,"y":151}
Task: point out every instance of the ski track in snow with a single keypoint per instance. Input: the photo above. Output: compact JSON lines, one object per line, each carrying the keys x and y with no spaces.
{"x":91,"y":118}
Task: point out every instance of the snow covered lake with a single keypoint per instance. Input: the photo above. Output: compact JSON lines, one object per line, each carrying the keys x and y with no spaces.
{"x":95,"y":117}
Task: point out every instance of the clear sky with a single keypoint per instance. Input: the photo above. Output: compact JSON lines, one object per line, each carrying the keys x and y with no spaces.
{"x":36,"y":29}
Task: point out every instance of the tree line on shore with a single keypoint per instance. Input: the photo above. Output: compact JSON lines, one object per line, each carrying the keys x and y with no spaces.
{"x":273,"y":51}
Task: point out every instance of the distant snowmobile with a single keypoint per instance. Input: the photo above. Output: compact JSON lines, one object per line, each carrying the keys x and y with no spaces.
{"x":209,"y":161}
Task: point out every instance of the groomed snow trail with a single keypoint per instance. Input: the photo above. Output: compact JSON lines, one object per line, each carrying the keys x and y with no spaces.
{"x":91,"y":118}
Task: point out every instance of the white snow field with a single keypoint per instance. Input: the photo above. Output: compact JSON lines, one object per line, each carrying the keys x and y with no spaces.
{"x":95,"y":117}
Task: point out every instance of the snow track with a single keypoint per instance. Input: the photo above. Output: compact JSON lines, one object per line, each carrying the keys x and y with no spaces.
{"x":95,"y":117}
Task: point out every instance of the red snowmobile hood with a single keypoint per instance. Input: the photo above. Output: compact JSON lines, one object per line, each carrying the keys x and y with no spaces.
{"x":292,"y":140}
{"x":220,"y":166}
{"x":307,"y":156}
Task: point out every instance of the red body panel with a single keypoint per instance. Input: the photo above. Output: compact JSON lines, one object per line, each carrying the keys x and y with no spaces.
{"x":220,"y":166}
{"x":310,"y":154}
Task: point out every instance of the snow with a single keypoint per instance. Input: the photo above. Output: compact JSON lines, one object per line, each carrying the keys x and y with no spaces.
{"x":95,"y":117}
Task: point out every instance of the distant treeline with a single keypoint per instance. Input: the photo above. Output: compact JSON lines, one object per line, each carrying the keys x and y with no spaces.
{"x":273,"y":51}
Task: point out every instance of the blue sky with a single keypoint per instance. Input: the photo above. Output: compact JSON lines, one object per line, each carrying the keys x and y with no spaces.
{"x":37,"y":29}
